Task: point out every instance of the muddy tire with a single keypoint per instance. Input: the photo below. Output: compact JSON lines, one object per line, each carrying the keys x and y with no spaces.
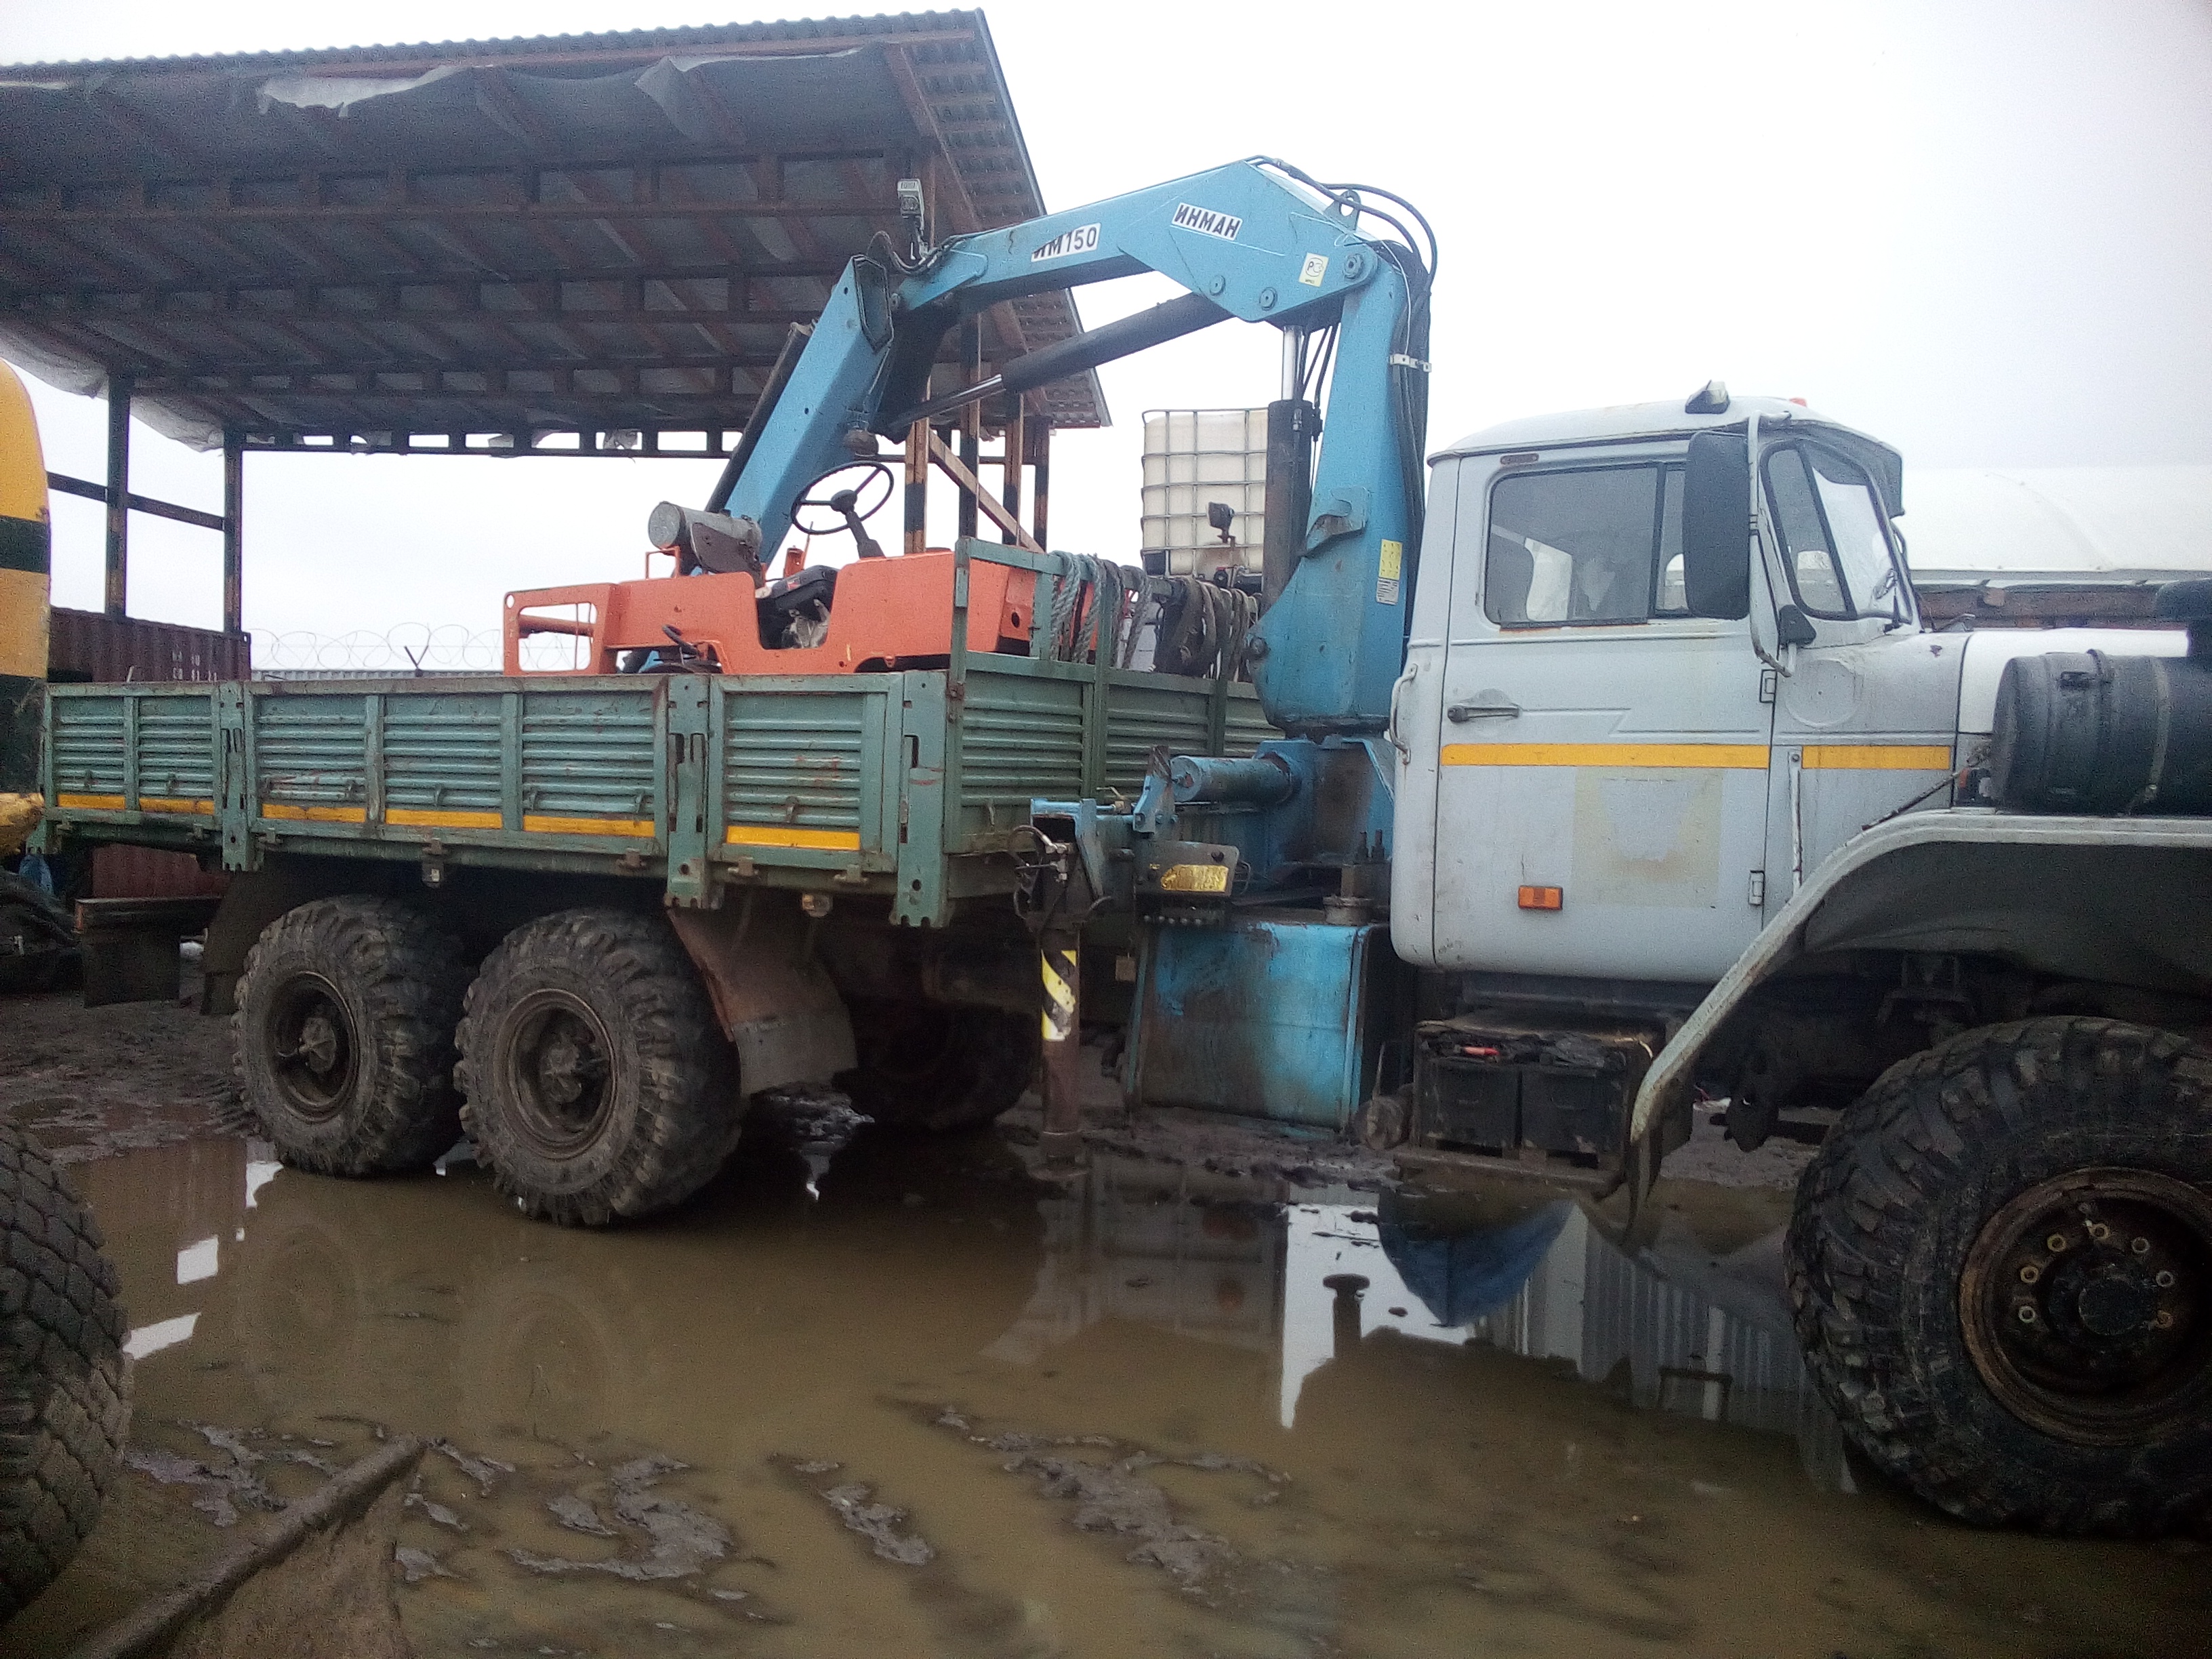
{"x":599,"y":1086}
{"x":345,"y":1035}
{"x":2001,"y":1266}
{"x":928,"y":1068}
{"x":64,"y":1400}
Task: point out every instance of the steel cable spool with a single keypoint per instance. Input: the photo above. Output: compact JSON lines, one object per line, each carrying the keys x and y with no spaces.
{"x":1208,"y":630}
{"x":1114,"y":616}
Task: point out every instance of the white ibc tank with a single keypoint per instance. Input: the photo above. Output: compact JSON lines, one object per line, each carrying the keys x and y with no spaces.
{"x":1195,"y":458}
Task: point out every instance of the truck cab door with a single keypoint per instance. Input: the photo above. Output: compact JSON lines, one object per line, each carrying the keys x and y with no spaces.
{"x":1602,"y":791}
{"x":1866,"y":705}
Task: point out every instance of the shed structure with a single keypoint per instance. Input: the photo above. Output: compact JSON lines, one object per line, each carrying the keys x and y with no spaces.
{"x":578,"y":245}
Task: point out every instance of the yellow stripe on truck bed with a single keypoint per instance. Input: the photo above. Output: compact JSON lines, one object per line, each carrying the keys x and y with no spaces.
{"x":302,"y":812}
{"x":544,"y":823}
{"x":433,"y":818}
{"x":424,"y":817}
{"x":761,"y":835}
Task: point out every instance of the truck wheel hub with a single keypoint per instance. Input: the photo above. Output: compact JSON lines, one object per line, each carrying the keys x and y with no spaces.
{"x":2085,"y":1304}
{"x":2116,"y":1307}
{"x":556,"y":1062}
{"x":311,"y":1040}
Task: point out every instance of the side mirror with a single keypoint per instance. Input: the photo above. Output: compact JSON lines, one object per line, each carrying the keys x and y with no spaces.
{"x":1717,"y":526}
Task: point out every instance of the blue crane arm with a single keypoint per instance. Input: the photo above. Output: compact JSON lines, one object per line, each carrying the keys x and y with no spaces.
{"x":1244,"y":242}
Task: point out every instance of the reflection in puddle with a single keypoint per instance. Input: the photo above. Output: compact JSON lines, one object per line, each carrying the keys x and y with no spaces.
{"x":885,"y":1397}
{"x":161,"y":1334}
{"x":1688,"y":1330}
{"x":200,"y":1260}
{"x":1193,"y":1253}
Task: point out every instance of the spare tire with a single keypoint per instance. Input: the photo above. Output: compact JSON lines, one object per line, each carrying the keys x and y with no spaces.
{"x":65,"y":1388}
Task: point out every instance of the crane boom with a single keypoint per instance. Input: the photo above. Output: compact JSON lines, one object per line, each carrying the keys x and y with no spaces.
{"x":1246,"y":240}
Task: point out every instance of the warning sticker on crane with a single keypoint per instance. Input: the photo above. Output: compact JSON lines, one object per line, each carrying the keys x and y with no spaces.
{"x":1386,"y":575}
{"x":1194,"y":879}
{"x":1208,"y":221}
{"x":1084,"y":239}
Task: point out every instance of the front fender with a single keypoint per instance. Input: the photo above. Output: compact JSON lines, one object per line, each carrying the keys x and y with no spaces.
{"x":2127,"y":901}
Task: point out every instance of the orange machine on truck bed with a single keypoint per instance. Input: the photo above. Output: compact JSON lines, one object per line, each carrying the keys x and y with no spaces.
{"x":873,"y":615}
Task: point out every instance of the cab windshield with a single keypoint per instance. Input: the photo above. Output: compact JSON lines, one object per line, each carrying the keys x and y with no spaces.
{"x":1835,"y":546}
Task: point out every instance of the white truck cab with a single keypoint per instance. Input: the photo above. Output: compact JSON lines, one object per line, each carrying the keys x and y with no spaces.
{"x":1595,"y":781}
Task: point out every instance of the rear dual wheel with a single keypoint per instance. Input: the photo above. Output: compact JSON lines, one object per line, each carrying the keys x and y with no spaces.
{"x":345,"y":1035}
{"x":599,"y":1085}
{"x":930,"y":1068}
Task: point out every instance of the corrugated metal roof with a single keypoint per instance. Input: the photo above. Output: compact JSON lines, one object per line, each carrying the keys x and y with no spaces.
{"x":569,"y":233}
{"x":808,"y":31}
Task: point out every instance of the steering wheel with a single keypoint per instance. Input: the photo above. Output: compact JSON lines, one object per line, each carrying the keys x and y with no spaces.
{"x":845,"y":502}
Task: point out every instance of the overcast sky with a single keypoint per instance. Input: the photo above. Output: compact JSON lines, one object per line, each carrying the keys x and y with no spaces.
{"x":1982,"y":231}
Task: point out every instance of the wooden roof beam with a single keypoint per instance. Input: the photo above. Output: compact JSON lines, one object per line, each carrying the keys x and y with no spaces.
{"x":180,"y":377}
{"x":285,"y":213}
{"x":466,"y":292}
{"x":925,"y":123}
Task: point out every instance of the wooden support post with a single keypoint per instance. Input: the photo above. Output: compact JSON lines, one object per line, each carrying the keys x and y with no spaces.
{"x":1010,"y":476}
{"x":1037,"y":442}
{"x":234,"y":533}
{"x":971,"y":418}
{"x":118,"y":495}
{"x":917,"y":488}
{"x":972,"y":487}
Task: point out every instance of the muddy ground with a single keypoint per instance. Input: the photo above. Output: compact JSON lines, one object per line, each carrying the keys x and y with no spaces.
{"x":868,"y":1395}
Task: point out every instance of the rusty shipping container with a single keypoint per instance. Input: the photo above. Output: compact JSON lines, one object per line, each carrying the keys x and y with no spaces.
{"x":85,"y":646}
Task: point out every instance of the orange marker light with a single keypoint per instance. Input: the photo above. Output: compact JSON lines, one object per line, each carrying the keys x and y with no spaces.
{"x":1541,"y":898}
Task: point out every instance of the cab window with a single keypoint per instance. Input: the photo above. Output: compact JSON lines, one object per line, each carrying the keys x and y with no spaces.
{"x":1835,"y":544}
{"x":1597,"y":546}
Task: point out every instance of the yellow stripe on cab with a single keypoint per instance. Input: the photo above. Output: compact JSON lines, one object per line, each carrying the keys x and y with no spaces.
{"x":1729,"y":756}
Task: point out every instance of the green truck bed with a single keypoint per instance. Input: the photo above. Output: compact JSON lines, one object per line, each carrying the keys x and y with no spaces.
{"x":909,"y":785}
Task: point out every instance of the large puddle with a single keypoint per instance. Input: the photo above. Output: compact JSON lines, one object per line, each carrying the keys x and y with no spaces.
{"x":890,"y":1398}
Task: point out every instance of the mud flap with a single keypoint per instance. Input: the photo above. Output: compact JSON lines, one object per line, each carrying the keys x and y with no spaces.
{"x":778,"y":1004}
{"x":1639,"y":1172}
{"x":254,"y":900}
